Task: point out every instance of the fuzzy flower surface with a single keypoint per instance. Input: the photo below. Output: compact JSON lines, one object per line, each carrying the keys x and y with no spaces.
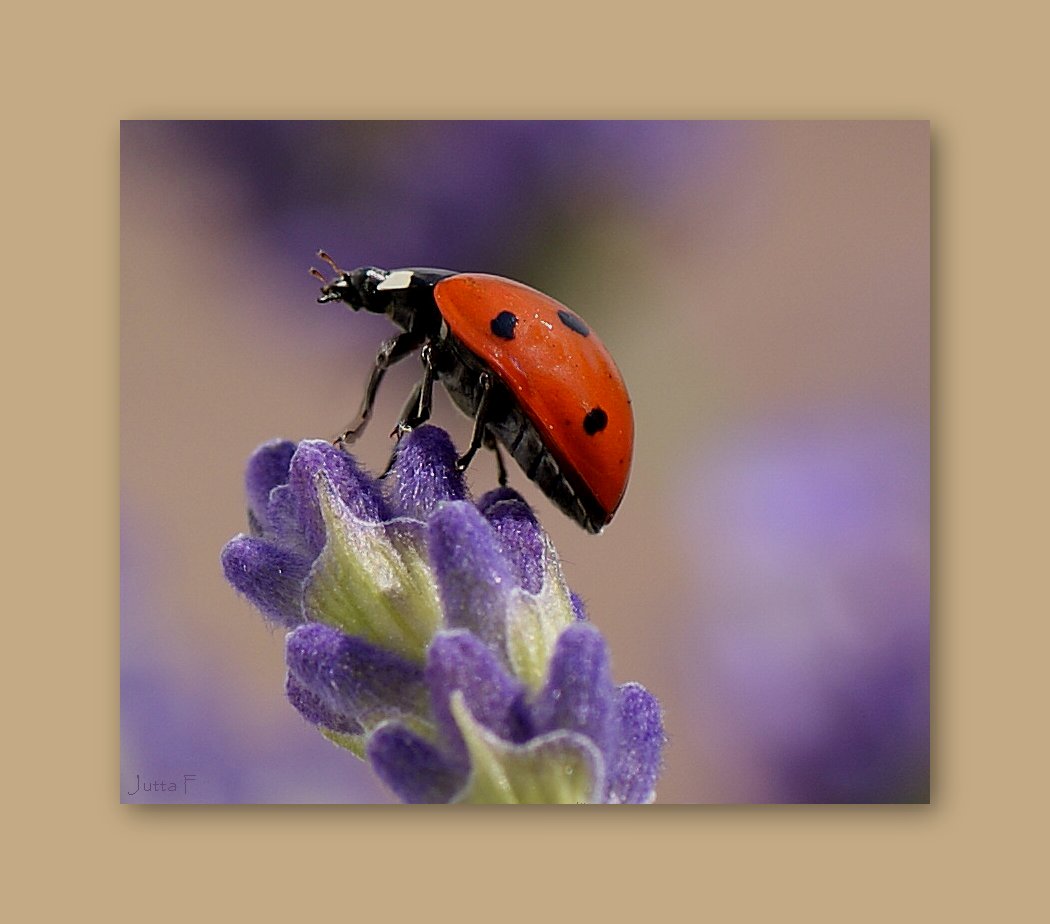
{"x":436,"y":637}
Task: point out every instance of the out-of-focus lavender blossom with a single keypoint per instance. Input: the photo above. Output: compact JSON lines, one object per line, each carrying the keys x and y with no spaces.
{"x":435,"y":637}
{"x":813,"y":603}
{"x":451,"y":193}
{"x":184,"y":738}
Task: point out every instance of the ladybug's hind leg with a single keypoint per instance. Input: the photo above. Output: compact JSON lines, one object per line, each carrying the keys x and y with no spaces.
{"x":392,"y":350}
{"x":492,"y":443}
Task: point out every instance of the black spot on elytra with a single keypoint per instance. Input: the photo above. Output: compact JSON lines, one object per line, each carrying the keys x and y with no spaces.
{"x":503,"y":324}
{"x":595,"y":421}
{"x":573,"y":323}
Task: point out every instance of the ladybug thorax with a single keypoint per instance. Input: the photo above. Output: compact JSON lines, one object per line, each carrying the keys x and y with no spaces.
{"x":406,"y":296}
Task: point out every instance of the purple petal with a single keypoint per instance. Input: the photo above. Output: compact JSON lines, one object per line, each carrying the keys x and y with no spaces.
{"x":579,"y":694}
{"x":520,"y":536}
{"x":358,"y":490}
{"x":577,"y":608}
{"x":282,"y":521}
{"x":267,"y":468}
{"x":472,"y":575}
{"x":352,"y":677}
{"x":641,"y":741}
{"x":412,"y":767}
{"x":312,"y":708}
{"x":270,"y":576}
{"x":426,"y":472}
{"x":459,"y":660}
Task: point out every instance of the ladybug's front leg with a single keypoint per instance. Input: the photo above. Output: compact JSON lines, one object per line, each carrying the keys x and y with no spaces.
{"x":390,"y":352}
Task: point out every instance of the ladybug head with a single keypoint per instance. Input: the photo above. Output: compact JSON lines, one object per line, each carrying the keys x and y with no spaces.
{"x":356,"y":288}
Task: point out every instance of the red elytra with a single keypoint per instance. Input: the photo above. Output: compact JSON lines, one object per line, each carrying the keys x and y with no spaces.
{"x":557,"y":374}
{"x":529,"y":371}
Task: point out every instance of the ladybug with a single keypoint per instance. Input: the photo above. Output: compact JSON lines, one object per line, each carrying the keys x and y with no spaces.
{"x":530,"y":373}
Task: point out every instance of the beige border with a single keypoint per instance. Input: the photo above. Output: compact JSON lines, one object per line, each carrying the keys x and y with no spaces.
{"x":74,"y":851}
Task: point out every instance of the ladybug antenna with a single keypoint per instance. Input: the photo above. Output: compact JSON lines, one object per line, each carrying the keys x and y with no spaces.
{"x":332,"y":290}
{"x":327,"y":259}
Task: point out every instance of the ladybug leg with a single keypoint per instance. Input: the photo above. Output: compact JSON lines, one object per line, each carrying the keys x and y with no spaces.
{"x":491,"y":443}
{"x":477,"y":436}
{"x":416,"y":411}
{"x":390,"y":352}
{"x":407,"y":414}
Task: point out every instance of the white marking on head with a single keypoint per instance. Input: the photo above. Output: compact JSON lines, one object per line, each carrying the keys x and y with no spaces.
{"x":402,"y":279}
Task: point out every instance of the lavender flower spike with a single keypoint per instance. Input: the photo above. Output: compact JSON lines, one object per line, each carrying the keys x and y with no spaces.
{"x":436,"y":638}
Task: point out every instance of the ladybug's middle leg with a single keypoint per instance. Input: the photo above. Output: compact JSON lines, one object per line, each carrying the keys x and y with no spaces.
{"x":481,"y":419}
{"x":416,"y":411}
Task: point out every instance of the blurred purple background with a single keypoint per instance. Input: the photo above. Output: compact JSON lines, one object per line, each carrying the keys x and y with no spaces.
{"x":764,"y":288}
